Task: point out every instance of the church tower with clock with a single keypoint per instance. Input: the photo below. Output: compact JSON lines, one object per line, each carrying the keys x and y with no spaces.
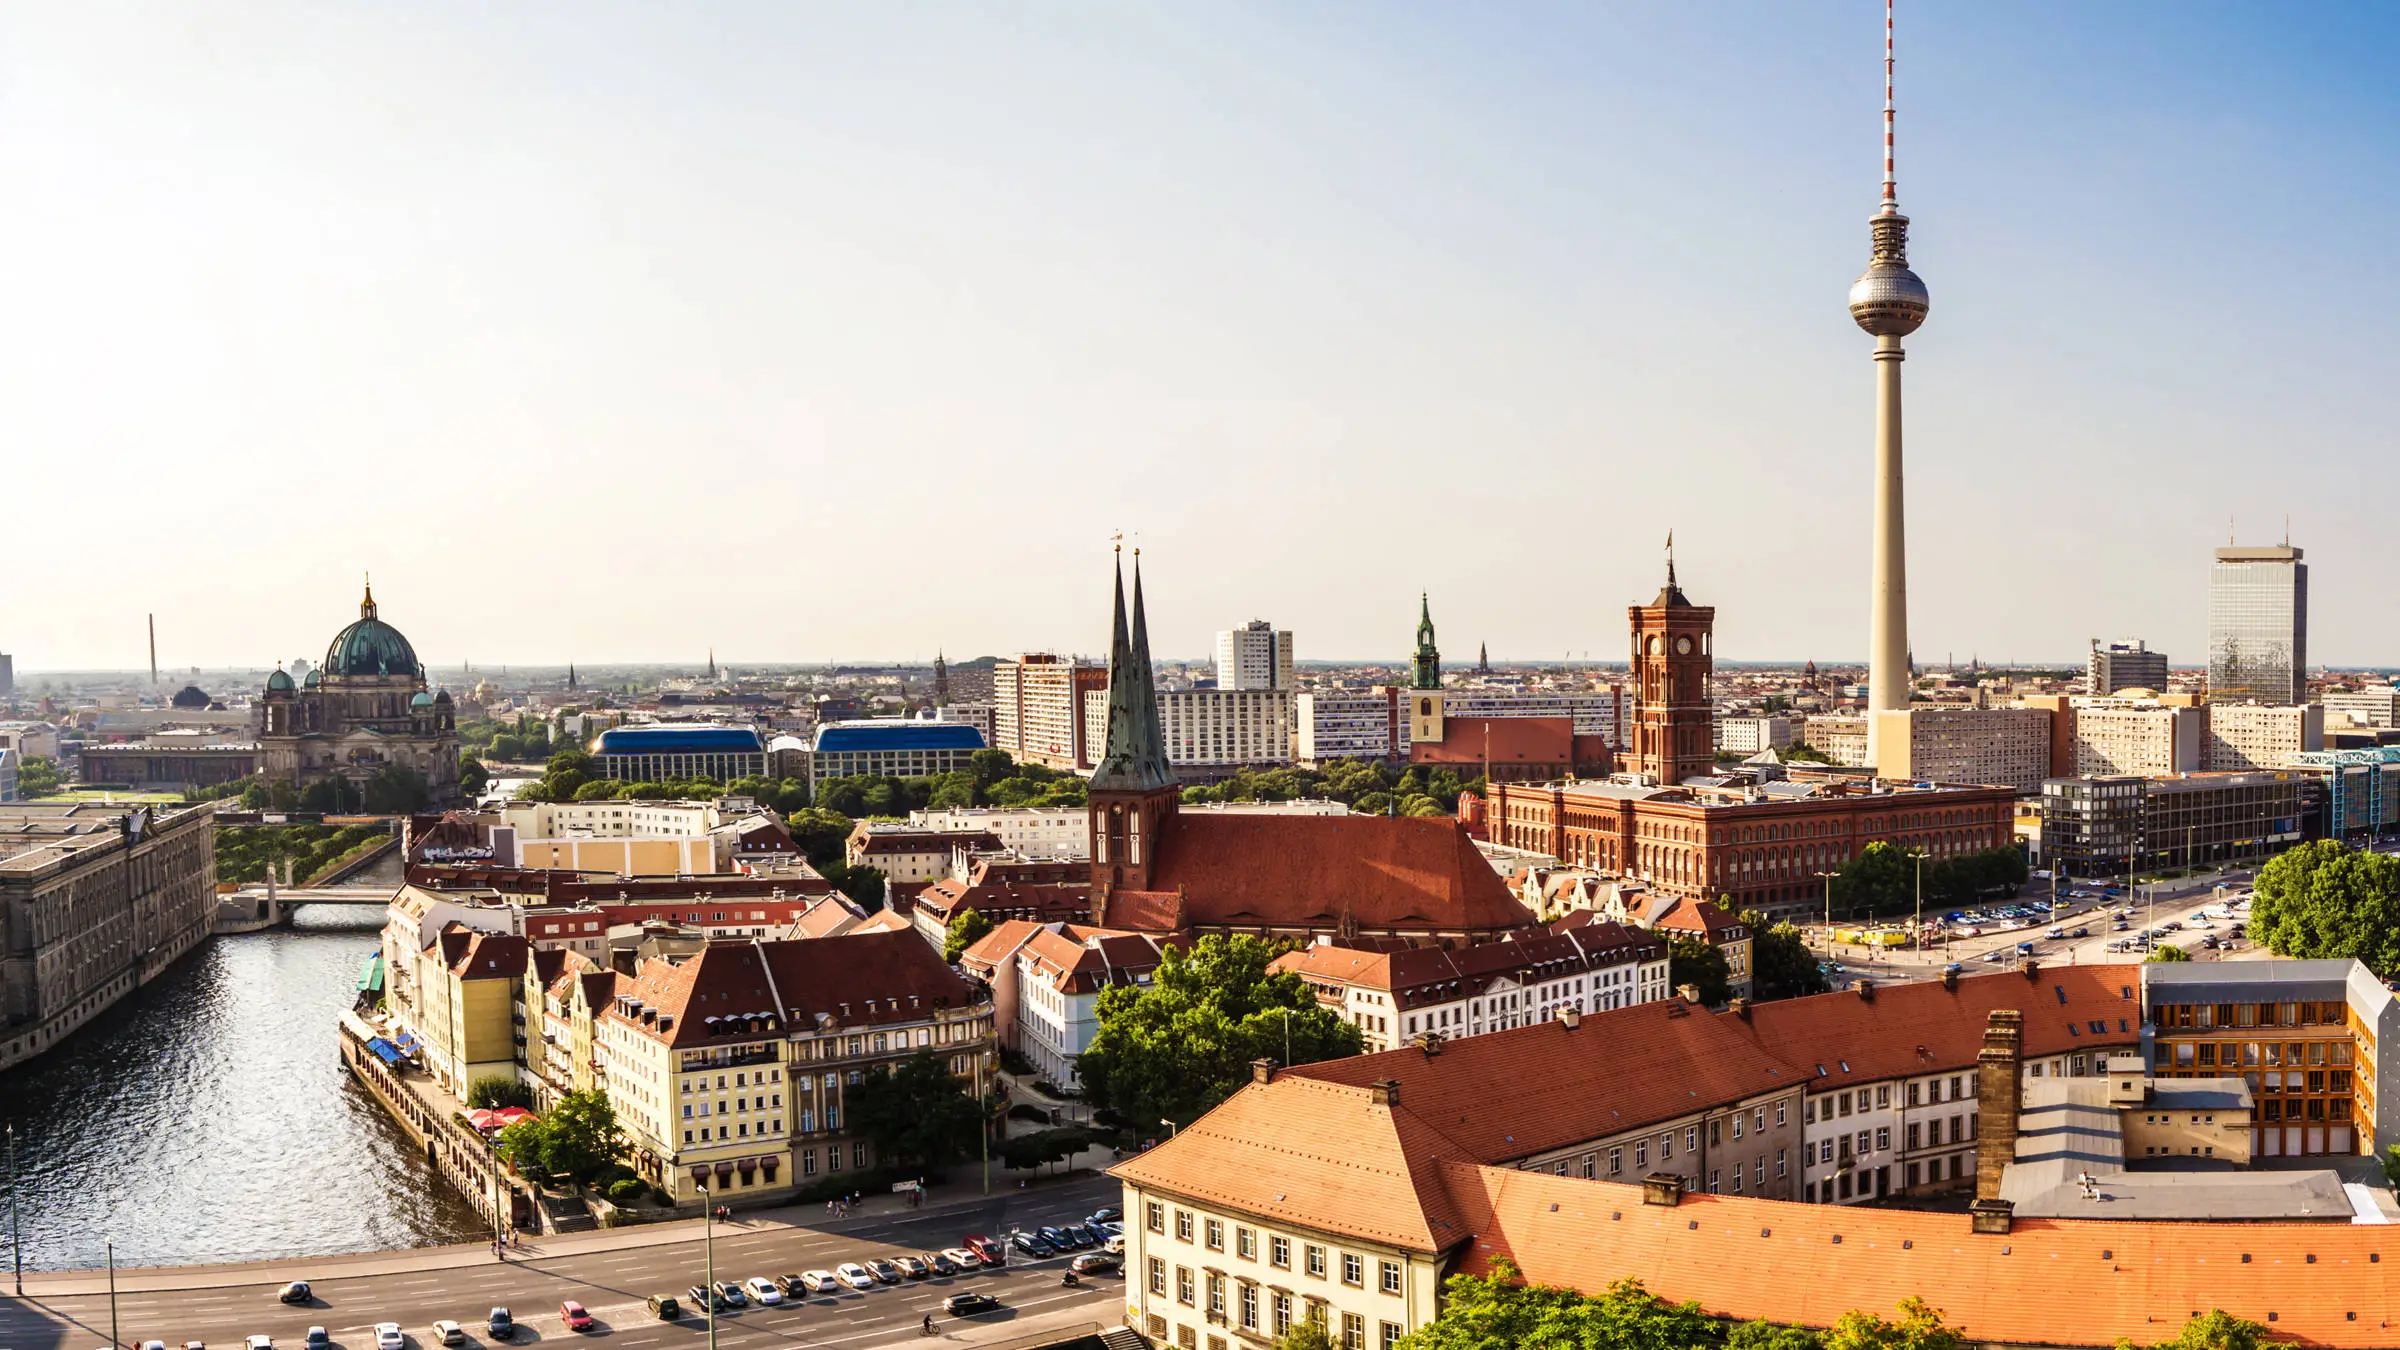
{"x":1674,"y":722}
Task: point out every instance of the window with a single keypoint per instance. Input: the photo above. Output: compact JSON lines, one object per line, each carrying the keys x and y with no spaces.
{"x":1213,"y":1234}
{"x":1154,"y":1217}
{"x":1315,"y":1256}
{"x":1183,"y":1225}
{"x":1913,"y":1141}
{"x":1391,"y":1335}
{"x":1883,"y":1137}
{"x":1279,"y":1252}
{"x":1245,"y":1244}
{"x":1616,"y":1161}
{"x":1216,"y":1298}
{"x":1779,"y":1172}
{"x":1354,"y":1332}
{"x":1391,"y":1277}
{"x":1158,"y":1277}
{"x":1249,"y":1307}
{"x":1283,"y":1314}
{"x":1354,"y":1269}
{"x":1779,"y":1108}
{"x":1183,"y":1285}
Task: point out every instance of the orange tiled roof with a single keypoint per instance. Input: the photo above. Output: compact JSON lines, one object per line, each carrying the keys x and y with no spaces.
{"x":1317,"y":1154}
{"x":1380,"y":872}
{"x":1510,"y":1094}
{"x":2047,"y":1282}
{"x":1922,"y":1027}
{"x":1704,"y":919}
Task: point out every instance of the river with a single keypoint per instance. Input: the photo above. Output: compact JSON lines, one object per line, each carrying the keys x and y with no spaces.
{"x":208,"y":1118}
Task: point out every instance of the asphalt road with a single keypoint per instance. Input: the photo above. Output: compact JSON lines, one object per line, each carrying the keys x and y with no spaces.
{"x":612,"y":1286}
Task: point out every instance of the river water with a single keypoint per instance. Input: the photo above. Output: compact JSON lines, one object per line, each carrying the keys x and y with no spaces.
{"x":208,"y":1118}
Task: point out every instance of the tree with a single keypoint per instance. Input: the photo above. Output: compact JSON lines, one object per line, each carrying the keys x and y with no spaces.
{"x":2326,"y":899}
{"x":2167,"y":951}
{"x":2215,"y":1330}
{"x":1307,"y":1333}
{"x":1882,"y":879}
{"x":489,"y":1094}
{"x":819,"y":833}
{"x":1500,"y":1310}
{"x":473,"y":778}
{"x":579,"y":1137}
{"x":39,"y":776}
{"x":917,"y":1114}
{"x":862,"y":883}
{"x":1920,"y":1328}
{"x":1781,"y":964}
{"x":1043,"y":1147}
{"x":1764,"y":1335}
{"x":1691,"y":961}
{"x":1178,"y":1046}
{"x":395,"y":790}
{"x":967,"y":927}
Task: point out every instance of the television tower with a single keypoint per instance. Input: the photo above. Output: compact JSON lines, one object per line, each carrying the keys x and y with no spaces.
{"x":1889,"y":302}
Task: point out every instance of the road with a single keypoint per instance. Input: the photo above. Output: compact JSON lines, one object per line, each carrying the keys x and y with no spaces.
{"x":612,"y":1286}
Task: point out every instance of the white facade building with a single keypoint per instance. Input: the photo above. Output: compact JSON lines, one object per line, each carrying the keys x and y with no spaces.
{"x":1333,"y":726}
{"x":1395,"y":997}
{"x":1749,"y":735}
{"x":1211,"y":728}
{"x":2261,"y":736}
{"x":1256,"y":655}
{"x":2114,"y":736}
{"x":1035,"y":831}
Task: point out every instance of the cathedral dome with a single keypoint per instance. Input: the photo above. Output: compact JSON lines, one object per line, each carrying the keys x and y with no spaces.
{"x":279,"y":682}
{"x":370,"y":647}
{"x":422,"y":700}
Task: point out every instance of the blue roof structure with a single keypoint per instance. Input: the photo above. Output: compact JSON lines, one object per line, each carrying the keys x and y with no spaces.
{"x":892,"y":733}
{"x":678,"y":741}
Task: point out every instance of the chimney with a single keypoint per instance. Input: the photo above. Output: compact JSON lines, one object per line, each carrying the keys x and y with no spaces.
{"x":1949,"y":978}
{"x":1384,"y":1091}
{"x":1262,"y":1071}
{"x":1866,"y":991}
{"x":1991,"y":1216}
{"x":2033,"y":968}
{"x":1431,"y":1043}
{"x":1662,"y":1188}
{"x":2000,"y":1093}
{"x":1739,"y":1007}
{"x":1689,"y":993}
{"x":1570,"y":1017}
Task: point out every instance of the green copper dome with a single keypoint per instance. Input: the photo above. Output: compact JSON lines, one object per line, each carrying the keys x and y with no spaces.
{"x":370,"y":647}
{"x":279,"y":682}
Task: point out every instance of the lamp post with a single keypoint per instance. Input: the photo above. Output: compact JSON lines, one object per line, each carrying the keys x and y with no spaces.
{"x":708,"y":1267}
{"x":1918,"y":856}
{"x":114,"y":1341}
{"x":983,"y":1118}
{"x":16,"y":1241}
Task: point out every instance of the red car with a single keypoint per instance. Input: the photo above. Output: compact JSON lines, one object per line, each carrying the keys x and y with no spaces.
{"x":987,"y":1251}
{"x":577,"y":1319}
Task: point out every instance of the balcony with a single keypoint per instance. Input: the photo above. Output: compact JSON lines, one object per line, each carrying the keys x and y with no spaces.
{"x":727,"y":1058}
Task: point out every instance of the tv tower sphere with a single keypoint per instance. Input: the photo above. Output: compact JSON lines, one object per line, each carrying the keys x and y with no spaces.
{"x":1888,"y":300}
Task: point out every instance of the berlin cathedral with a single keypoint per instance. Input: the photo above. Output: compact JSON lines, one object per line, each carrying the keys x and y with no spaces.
{"x":365,"y":708}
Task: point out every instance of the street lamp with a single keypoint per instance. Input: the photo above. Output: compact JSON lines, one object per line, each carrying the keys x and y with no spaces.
{"x":708,"y":1268}
{"x":115,"y":1342}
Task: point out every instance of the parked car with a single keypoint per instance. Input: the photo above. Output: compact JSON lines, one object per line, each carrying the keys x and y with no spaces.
{"x":964,"y":1258}
{"x":762,"y":1291}
{"x":388,"y":1336}
{"x":912,"y":1267}
{"x":818,"y":1281}
{"x":707,"y":1299}
{"x":1115,"y":1246}
{"x":258,"y":1343}
{"x":317,"y":1338}
{"x":447,"y":1332}
{"x":855,"y":1275}
{"x":1107,"y":1214}
{"x":883,"y":1270}
{"x":664,"y":1307}
{"x":295,"y":1292}
{"x":500,"y":1326}
{"x":732,"y":1294}
{"x":939,"y":1263}
{"x":986,"y":1250}
{"x":969,"y":1304}
{"x":572,"y":1313}
{"x":1060,"y":1239}
{"x":1093,"y":1263}
{"x":1032,"y":1244}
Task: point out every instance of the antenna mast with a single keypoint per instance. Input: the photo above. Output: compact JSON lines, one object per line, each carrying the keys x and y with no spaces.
{"x":1891,"y":187}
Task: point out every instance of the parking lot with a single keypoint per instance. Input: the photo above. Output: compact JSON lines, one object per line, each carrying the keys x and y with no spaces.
{"x":2087,"y":918}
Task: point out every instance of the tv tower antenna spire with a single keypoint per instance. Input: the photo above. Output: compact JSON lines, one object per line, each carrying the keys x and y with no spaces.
{"x":1891,"y":184}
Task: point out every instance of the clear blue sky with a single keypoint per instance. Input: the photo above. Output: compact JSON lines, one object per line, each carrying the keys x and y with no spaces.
{"x":843,"y":331}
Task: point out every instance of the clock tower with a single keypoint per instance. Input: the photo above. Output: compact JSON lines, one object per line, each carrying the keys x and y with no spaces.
{"x":1674,"y":723}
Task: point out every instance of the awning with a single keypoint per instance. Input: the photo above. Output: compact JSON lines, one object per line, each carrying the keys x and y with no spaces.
{"x":700,"y":1175}
{"x":370,"y":978}
{"x":384,"y":1050}
{"x":724,"y":1170}
{"x":408,"y":1042}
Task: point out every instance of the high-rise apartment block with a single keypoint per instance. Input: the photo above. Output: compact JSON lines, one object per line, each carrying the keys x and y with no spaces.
{"x":1749,"y":735}
{"x":1344,"y":725}
{"x":2007,"y":747}
{"x":2127,"y":736}
{"x":2125,"y":665}
{"x":2259,"y":736}
{"x":1038,"y":708}
{"x":1256,"y":655}
{"x":2374,"y":706}
{"x":1208,"y":728}
{"x":2258,"y":626}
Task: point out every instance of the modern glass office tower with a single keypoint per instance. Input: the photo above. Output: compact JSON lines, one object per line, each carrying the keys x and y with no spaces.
{"x":2258,"y":626}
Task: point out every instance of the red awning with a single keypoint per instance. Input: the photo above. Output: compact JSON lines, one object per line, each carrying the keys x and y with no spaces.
{"x":724,"y":1170}
{"x":700,"y":1175}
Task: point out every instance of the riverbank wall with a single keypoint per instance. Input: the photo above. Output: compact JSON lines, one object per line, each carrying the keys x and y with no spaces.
{"x":429,"y":1117}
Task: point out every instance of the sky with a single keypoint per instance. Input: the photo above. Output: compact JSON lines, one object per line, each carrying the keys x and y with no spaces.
{"x":853,"y":332}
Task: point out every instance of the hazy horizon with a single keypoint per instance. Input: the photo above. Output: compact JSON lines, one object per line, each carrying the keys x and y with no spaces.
{"x":602,"y":329}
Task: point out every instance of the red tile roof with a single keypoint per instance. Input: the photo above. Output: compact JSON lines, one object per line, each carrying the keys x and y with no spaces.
{"x":1318,"y":1155}
{"x":1512,"y":741}
{"x":2046,"y":1282}
{"x":1047,"y":904}
{"x":1510,"y":1094}
{"x":1691,"y":916}
{"x":771,"y":988}
{"x":1378,"y":873}
{"x":1419,"y":976}
{"x":1922,"y":1027}
{"x":488,"y":956}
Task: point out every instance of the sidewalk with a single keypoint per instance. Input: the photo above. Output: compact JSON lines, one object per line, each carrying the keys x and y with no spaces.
{"x":879,"y":1207}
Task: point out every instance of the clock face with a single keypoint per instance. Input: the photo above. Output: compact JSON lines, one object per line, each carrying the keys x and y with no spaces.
{"x":1683,"y":645}
{"x":1652,"y":644}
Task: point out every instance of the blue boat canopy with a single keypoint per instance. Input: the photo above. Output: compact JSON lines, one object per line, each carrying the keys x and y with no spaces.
{"x":384,"y":1050}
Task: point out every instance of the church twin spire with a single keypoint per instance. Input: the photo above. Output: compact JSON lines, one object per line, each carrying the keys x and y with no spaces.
{"x":1135,"y":757}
